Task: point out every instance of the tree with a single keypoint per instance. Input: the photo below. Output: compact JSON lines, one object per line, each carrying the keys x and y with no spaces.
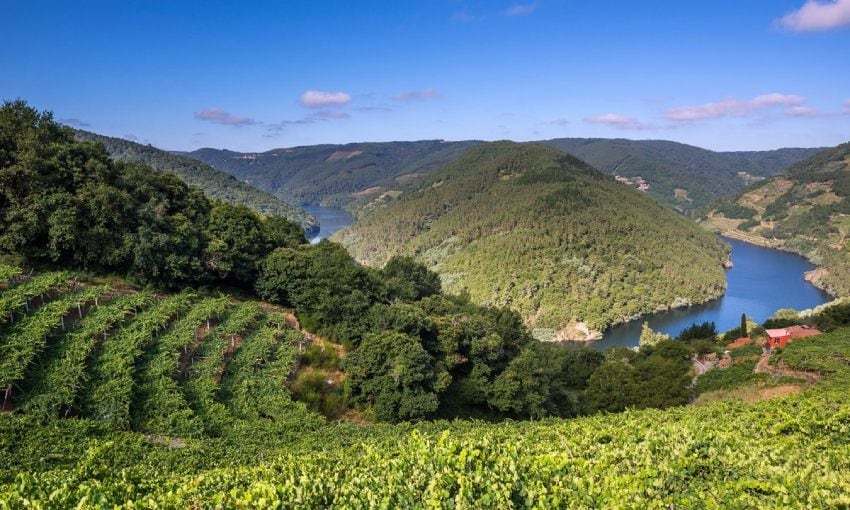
{"x":743,"y":325}
{"x":395,"y":375}
{"x":650,"y":337}
{"x":409,"y":280}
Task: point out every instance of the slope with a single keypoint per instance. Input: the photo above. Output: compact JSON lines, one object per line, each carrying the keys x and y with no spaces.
{"x":679,"y":175}
{"x":338,"y":175}
{"x":806,"y":210}
{"x":214,"y":183}
{"x":527,"y":226}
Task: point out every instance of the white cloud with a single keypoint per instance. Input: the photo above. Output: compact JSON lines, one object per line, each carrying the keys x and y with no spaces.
{"x":319,"y":99}
{"x":416,"y":95}
{"x":219,"y":116}
{"x":521,"y":9}
{"x":816,"y":15}
{"x":803,"y":111}
{"x":618,"y":121}
{"x":73,"y":121}
{"x":560,"y":121}
{"x":731,"y":107}
{"x":847,"y":106}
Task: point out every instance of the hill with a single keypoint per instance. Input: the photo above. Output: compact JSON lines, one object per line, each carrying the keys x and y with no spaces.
{"x":679,"y":175}
{"x":790,"y":451}
{"x":335,"y":175}
{"x":214,"y":183}
{"x":532,"y":228}
{"x":806,"y":209}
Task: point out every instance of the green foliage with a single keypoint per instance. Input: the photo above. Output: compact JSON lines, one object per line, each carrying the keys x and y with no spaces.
{"x":655,"y":376}
{"x":409,"y":280}
{"x":214,"y":183}
{"x":66,"y":202}
{"x":321,"y":281}
{"x":648,"y":337}
{"x":320,"y":356}
{"x":737,"y":375}
{"x":531,"y":228}
{"x":697,"y":331}
{"x":395,"y":375}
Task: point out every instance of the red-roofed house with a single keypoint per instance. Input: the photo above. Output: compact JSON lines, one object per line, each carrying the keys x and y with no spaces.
{"x":777,"y":337}
{"x":781,"y":337}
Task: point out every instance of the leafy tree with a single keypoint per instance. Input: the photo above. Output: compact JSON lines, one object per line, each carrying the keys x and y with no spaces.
{"x":409,"y":280}
{"x":395,"y":375}
{"x":698,"y":331}
{"x":650,"y":337}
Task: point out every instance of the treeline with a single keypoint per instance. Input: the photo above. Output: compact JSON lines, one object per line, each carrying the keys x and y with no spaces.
{"x":66,"y":203}
{"x":214,"y":183}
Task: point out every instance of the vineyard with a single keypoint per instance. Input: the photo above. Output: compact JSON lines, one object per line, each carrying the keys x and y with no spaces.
{"x":133,"y":360}
{"x":143,"y":401}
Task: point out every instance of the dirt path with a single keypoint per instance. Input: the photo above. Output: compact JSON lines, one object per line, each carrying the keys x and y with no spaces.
{"x":764,"y":367}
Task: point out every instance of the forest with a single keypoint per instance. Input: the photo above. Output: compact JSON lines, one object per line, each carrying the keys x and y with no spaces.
{"x":562,"y":243}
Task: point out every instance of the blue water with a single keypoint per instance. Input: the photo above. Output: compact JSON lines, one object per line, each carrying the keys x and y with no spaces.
{"x":331,"y":219}
{"x":762,"y":281}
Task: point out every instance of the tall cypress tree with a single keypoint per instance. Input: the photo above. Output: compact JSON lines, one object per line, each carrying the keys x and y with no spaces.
{"x":743,"y":325}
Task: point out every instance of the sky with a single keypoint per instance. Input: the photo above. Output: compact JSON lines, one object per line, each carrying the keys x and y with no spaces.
{"x":252,"y":76}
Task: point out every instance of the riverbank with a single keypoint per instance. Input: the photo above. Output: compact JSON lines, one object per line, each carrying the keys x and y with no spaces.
{"x":762,"y":281}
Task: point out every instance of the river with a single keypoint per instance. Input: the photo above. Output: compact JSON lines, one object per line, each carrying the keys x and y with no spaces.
{"x":762,"y":281}
{"x":331,"y":219}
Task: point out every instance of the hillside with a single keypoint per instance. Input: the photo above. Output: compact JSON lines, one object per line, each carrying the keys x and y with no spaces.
{"x":806,"y":210}
{"x":790,"y":451}
{"x":335,"y":175}
{"x":214,"y":183}
{"x":679,"y":175}
{"x":532,"y":228}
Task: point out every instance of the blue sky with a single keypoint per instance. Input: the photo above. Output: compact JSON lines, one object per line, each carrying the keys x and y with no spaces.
{"x":250,"y":76}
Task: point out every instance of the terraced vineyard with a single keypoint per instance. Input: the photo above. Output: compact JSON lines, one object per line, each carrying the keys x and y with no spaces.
{"x":133,"y":360}
{"x":150,"y":402}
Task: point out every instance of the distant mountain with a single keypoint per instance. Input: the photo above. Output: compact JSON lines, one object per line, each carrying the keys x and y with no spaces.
{"x":214,"y":183}
{"x":528,"y":226}
{"x":340,"y":175}
{"x":806,"y":209}
{"x":679,"y":175}
{"x":361,"y":176}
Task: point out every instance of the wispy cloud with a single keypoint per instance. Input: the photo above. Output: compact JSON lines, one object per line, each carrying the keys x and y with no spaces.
{"x":847,"y":107}
{"x":806,"y":112}
{"x":374,"y":109}
{"x":131,"y":137}
{"x":416,"y":95}
{"x":73,"y":121}
{"x":321,"y":116}
{"x":619,"y":121}
{"x":219,"y":116}
{"x":731,"y":107}
{"x":320,"y":99}
{"x":521,"y":9}
{"x":816,"y":15}
{"x":462,"y":17}
{"x":560,"y":121}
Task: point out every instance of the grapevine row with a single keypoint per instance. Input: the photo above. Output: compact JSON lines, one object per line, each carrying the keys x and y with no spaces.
{"x":108,"y":396}
{"x":161,"y":405}
{"x":58,"y":380}
{"x":202,"y":385}
{"x":28,"y":337}
{"x":19,"y":296}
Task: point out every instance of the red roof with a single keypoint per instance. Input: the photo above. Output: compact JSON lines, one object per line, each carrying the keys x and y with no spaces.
{"x":802,"y":331}
{"x":777,"y":333}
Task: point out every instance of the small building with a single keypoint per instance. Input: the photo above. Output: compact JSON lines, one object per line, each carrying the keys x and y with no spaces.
{"x":781,"y":337}
{"x":777,"y":337}
{"x":741,"y":342}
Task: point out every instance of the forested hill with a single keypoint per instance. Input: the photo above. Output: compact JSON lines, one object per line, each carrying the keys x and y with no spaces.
{"x":214,"y":183}
{"x":360,"y":176}
{"x":806,"y":209}
{"x":336,"y":174}
{"x":533,"y":228}
{"x":682,"y":176}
